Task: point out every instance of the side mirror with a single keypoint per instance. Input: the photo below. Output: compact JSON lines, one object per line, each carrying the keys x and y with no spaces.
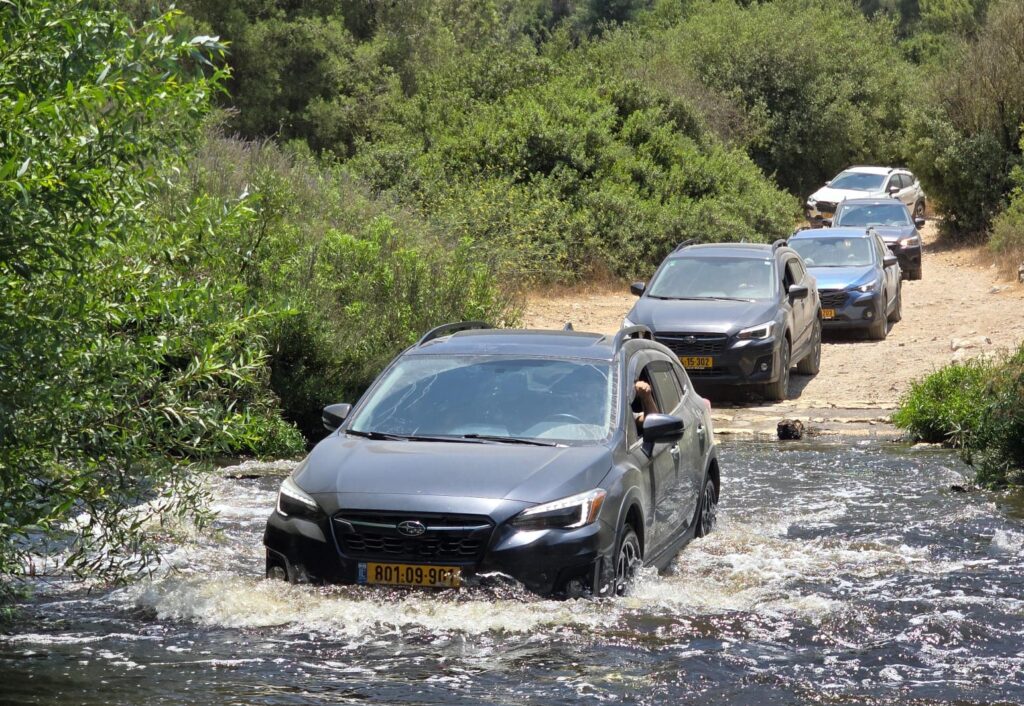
{"x":661,"y":429}
{"x":893,"y":190}
{"x":919,"y":222}
{"x":637,"y":288}
{"x":889,"y":260}
{"x":798,"y":291}
{"x":828,"y":183}
{"x":334,"y":415}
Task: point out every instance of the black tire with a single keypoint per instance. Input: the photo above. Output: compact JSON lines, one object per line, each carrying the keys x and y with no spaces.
{"x":919,"y":209}
{"x":628,"y":560}
{"x":897,"y":310}
{"x":914,"y":274}
{"x":707,"y":510}
{"x":810,"y":364}
{"x":777,"y":391}
{"x":880,"y":329}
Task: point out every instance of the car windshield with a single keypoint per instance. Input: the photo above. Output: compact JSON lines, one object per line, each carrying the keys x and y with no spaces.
{"x":495,"y":398}
{"x":889,"y":214}
{"x":743,"y":278}
{"x":834,"y":252}
{"x":858,"y":181}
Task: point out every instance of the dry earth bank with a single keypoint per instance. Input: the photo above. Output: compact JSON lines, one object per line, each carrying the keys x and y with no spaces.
{"x":860,"y":381}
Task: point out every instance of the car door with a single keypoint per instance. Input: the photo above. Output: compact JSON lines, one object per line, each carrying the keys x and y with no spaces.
{"x":659,"y":465}
{"x":802,"y":319}
{"x":678,"y":511}
{"x":891,"y":273}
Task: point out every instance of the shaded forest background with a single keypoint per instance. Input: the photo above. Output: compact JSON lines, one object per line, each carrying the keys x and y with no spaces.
{"x":218,"y":218}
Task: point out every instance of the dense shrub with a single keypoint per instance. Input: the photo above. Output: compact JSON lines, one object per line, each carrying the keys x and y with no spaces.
{"x":964,"y":137}
{"x":1007,"y":239}
{"x":359,"y":278}
{"x":120,"y":363}
{"x":977,"y":407}
{"x":821,"y":86}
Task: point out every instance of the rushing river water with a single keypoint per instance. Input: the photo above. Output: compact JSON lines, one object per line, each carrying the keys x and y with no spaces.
{"x":845,"y":574}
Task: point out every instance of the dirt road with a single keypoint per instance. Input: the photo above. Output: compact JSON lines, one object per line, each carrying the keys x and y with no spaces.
{"x":860,"y":381}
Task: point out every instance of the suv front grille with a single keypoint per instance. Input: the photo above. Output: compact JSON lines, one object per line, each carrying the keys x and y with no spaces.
{"x":447,"y":538}
{"x":825,"y":207}
{"x":693,"y":344}
{"x":832,"y":298}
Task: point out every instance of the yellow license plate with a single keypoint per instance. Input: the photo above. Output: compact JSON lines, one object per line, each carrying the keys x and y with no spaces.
{"x":410,"y":575}
{"x":697,"y":362}
{"x":825,"y":214}
{"x":828,"y":313}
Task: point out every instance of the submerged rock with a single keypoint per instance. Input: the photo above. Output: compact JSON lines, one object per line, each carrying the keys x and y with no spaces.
{"x":789,"y":429}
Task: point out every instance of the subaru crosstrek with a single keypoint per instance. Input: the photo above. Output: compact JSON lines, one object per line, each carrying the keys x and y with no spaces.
{"x":866,"y":182}
{"x":893,"y":222}
{"x":562,"y":459}
{"x":858,"y":278}
{"x":734,"y":314}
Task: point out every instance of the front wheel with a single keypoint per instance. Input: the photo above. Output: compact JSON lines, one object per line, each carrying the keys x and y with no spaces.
{"x":919,"y":209}
{"x":707,"y":511}
{"x":628,"y":560}
{"x":776,"y":391}
{"x":880,"y":329}
{"x":897,"y":310}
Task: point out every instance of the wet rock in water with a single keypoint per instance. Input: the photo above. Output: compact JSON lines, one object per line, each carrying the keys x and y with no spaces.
{"x":957,"y":488}
{"x":790,"y":429}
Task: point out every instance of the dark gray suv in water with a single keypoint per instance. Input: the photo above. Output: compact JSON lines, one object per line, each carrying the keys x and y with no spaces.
{"x":734,"y":314}
{"x":565,"y":460}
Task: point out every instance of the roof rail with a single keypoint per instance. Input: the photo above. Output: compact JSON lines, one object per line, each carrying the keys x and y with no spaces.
{"x":448,"y":329}
{"x":629,"y":333}
{"x":780,"y":243}
{"x":568,"y":326}
{"x":686,"y":243}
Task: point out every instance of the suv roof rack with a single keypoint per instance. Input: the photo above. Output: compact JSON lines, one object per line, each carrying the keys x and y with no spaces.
{"x":780,"y":243}
{"x":448,"y":329}
{"x":686,"y":243}
{"x":630,"y":333}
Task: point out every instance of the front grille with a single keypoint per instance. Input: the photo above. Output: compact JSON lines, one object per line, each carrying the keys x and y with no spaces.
{"x":832,"y":299}
{"x":706,"y":372}
{"x":825,"y":207}
{"x":693,"y":344}
{"x":448,"y":538}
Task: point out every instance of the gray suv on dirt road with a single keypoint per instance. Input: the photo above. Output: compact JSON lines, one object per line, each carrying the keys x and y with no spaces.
{"x":734,"y":314}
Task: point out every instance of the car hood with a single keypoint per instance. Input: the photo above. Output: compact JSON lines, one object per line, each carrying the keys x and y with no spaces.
{"x":827,"y":193}
{"x":891,"y":234}
{"x":842,"y":277}
{"x":703,"y":315}
{"x":346,"y":465}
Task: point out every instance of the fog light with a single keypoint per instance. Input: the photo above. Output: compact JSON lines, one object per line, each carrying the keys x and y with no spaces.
{"x":764,"y":367}
{"x":869,"y":314}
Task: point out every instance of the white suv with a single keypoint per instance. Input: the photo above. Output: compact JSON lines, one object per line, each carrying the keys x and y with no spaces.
{"x":866,"y":182}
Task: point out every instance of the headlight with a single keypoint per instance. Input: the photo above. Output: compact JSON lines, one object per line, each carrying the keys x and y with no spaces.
{"x":293,"y":501}
{"x":760,"y":331}
{"x":869,"y":287}
{"x":812,"y":202}
{"x":911,"y":242}
{"x":626,"y":322}
{"x":567,"y":513}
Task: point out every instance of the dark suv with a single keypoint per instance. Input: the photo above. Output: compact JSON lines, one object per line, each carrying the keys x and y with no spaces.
{"x":893,"y":222}
{"x":734,"y":314}
{"x":565,"y":460}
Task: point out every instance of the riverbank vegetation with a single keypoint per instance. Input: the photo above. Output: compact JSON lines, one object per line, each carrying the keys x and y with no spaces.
{"x":975,"y":406}
{"x":218,"y":219}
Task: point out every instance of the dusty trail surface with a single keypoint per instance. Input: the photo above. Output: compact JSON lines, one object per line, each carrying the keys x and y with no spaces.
{"x":860,"y":381}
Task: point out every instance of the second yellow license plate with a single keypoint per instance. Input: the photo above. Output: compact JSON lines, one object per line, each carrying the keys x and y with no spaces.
{"x":410,"y":575}
{"x":697,"y":362}
{"x":828,"y":313}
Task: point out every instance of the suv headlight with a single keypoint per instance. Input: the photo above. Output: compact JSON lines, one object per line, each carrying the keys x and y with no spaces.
{"x":568,"y":513}
{"x":293,"y":501}
{"x":812,"y":202}
{"x":755,"y":332}
{"x":869,"y":287}
{"x":911,"y":242}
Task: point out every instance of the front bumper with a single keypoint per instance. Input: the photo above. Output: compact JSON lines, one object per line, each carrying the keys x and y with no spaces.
{"x":732,"y":362}
{"x":545,"y":561}
{"x":850,"y":309}
{"x":909,"y":258}
{"x":820,"y":211}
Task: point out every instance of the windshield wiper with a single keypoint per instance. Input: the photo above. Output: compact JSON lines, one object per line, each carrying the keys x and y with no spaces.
{"x":384,"y":436}
{"x":509,"y":439}
{"x":730,"y":299}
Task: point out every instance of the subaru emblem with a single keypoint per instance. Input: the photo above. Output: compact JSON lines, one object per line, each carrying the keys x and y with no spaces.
{"x":690,"y":339}
{"x":412,"y":528}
